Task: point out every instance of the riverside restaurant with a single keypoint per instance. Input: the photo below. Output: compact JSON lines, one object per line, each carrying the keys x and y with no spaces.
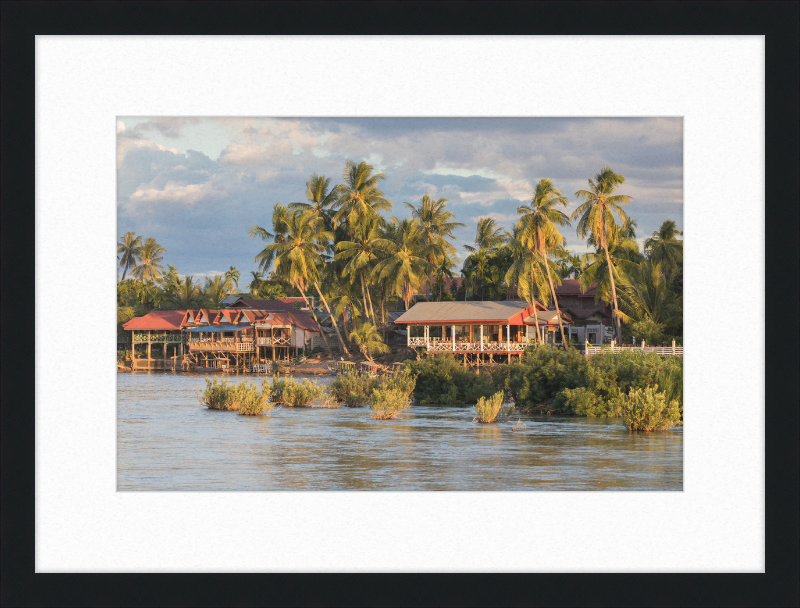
{"x":479,"y":333}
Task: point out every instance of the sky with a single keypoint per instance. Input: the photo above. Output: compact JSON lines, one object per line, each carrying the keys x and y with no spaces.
{"x":197,"y":184}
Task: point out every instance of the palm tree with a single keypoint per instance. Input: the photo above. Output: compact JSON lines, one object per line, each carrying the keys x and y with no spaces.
{"x":298,"y":257}
{"x":359,"y":196}
{"x":595,"y":267}
{"x":368,"y":340}
{"x":361,"y":254}
{"x":321,"y":199}
{"x":597,"y":218}
{"x":436,"y":227}
{"x":488,"y":235}
{"x":665,"y":248}
{"x":280,"y":224}
{"x":255,"y":284}
{"x":646,"y":296}
{"x":405,"y":264}
{"x":344,"y":302}
{"x":538,"y":230}
{"x":214,"y":289}
{"x":526,"y":273}
{"x":129,"y":248}
{"x":187,"y":293}
{"x":150,"y":257}
{"x":232,"y":276}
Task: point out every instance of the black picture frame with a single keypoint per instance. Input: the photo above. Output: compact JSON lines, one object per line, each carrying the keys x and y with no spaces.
{"x":777,"y":21}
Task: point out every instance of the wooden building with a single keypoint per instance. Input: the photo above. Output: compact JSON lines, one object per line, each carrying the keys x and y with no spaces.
{"x":478,"y":333}
{"x":160,"y":328}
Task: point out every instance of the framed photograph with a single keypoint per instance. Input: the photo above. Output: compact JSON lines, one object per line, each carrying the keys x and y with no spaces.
{"x":126,"y":124}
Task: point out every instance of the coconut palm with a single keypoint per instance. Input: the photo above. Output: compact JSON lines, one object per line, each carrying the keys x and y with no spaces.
{"x":214,"y":289}
{"x":345,"y":305}
{"x":129,"y":248}
{"x":359,"y":196}
{"x":596,"y":215}
{"x":187,"y":293}
{"x":321,"y":199}
{"x":488,"y":235}
{"x":149,"y":267}
{"x":665,"y":248}
{"x":538,"y":226}
{"x":362,"y":253}
{"x":436,"y":227}
{"x":405,"y":264}
{"x":527,"y":274}
{"x":255,"y":283}
{"x":595,"y":267}
{"x":646,"y":297}
{"x":368,"y":340}
{"x":232,"y":276}
{"x":280,"y":224}
{"x":299,"y":257}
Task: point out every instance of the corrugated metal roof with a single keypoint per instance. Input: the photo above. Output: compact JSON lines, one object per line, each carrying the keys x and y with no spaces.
{"x":219,"y":328}
{"x":462,"y":311}
{"x":157,"y":319}
{"x":547,"y":316}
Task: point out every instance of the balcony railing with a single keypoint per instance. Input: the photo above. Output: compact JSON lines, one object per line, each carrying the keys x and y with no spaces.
{"x":160,"y":338}
{"x":488,"y":347}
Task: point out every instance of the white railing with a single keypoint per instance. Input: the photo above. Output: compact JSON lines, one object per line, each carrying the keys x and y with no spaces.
{"x":243,"y":347}
{"x":283,"y":341}
{"x":417,"y":341}
{"x":488,"y":347}
{"x":664,"y":351}
{"x":264,"y":341}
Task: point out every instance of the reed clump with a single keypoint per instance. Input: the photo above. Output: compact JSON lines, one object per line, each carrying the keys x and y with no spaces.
{"x":355,"y":391}
{"x":649,"y":409}
{"x":292,"y":393}
{"x":518,"y":425}
{"x":388,"y":403}
{"x":242,"y":397}
{"x":489,"y":408}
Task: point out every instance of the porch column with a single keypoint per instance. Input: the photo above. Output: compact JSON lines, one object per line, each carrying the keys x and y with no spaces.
{"x":453,"y":332}
{"x":444,"y":334}
{"x":481,"y":337}
{"x":148,"y":347}
{"x":508,"y":335}
{"x":408,"y":335}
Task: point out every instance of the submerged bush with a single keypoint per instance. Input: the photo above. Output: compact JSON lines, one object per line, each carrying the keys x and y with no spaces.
{"x":649,"y":410}
{"x":293,"y":393}
{"x":388,"y":403}
{"x":487,"y":409}
{"x":355,"y":390}
{"x":243,"y":397}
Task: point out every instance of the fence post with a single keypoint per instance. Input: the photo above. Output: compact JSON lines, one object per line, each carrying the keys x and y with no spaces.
{"x":673,"y":348}
{"x":612,"y":344}
{"x":642,"y":343}
{"x":586,"y":347}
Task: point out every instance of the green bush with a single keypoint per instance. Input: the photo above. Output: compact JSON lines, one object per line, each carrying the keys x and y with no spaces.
{"x":292,"y":393}
{"x":352,"y":389}
{"x":388,"y":403}
{"x":243,"y":397}
{"x":649,"y":410}
{"x":487,"y":409}
{"x":583,"y":402}
{"x":442,"y":380}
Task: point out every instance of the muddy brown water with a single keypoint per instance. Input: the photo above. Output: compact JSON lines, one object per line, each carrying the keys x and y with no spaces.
{"x":167,"y":441}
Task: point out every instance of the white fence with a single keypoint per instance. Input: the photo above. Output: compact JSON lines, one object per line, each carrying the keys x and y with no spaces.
{"x":673,"y":351}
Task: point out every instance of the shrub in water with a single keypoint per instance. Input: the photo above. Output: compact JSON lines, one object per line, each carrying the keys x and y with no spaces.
{"x":352,"y":389}
{"x":442,"y":380}
{"x":249,"y":401}
{"x":296,"y":394}
{"x":487,"y":409}
{"x":215,"y":395}
{"x":649,"y":410}
{"x":386,"y":404}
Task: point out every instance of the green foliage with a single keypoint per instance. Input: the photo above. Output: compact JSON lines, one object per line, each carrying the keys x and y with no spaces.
{"x":543,"y":372}
{"x":368,"y":339}
{"x":442,"y":380}
{"x":292,"y":393}
{"x":388,"y":403}
{"x":649,"y":409}
{"x":582,"y":402}
{"x":243,"y":397}
{"x":355,"y":390}
{"x":487,"y":409}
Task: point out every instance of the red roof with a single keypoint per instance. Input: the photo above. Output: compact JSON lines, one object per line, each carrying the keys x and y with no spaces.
{"x":157,"y":319}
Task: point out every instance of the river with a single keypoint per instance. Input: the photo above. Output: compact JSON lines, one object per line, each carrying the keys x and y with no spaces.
{"x":167,"y":441}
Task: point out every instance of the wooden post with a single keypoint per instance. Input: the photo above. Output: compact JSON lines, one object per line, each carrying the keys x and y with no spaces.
{"x":673,"y":348}
{"x":586,"y":346}
{"x":453,"y":331}
{"x":148,"y":349}
{"x":642,"y":344}
{"x":408,"y":335}
{"x":481,"y":337}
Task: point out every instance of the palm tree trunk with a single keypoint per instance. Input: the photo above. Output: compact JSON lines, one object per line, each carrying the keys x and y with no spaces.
{"x":124,"y":272}
{"x":535,"y":311}
{"x":555,"y":299}
{"x":333,"y":319}
{"x":613,"y":296}
{"x":314,"y":314}
{"x":371,"y":310}
{"x":364,"y":297}
{"x":383,"y":319}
